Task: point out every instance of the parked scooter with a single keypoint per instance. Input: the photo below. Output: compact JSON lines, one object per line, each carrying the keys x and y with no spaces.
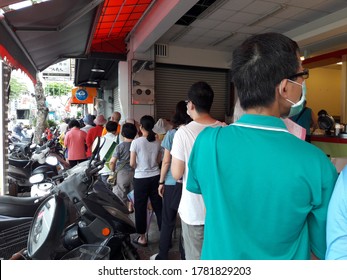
{"x":16,"y":213}
{"x":79,"y":211}
{"x":25,"y":158}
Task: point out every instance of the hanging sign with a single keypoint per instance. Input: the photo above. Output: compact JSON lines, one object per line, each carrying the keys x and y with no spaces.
{"x":83,"y":95}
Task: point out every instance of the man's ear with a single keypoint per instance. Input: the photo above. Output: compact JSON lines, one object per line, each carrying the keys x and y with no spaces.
{"x":282,"y":88}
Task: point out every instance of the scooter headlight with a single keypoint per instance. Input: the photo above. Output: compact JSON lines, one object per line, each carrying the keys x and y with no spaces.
{"x":37,"y":178}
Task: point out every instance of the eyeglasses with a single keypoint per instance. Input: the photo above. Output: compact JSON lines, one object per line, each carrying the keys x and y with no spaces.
{"x":304,"y":74}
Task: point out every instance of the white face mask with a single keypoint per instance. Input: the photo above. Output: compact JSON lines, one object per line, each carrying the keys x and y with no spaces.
{"x":298,"y":106}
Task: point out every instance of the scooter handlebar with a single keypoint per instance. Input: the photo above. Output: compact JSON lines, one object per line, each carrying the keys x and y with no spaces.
{"x":95,"y":167}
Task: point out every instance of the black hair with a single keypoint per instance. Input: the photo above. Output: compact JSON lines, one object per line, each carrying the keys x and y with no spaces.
{"x":201,"y":94}
{"x":147,"y":122}
{"x":74,"y":123}
{"x":111,"y":126}
{"x":180,"y":117}
{"x":260,"y":64}
{"x":129,"y":130}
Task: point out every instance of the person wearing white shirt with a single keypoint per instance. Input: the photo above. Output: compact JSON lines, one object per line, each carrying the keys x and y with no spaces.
{"x":191,"y":208}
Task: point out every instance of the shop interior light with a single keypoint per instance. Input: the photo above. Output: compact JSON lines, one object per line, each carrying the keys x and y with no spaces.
{"x":92,"y":82}
{"x":97,"y":69}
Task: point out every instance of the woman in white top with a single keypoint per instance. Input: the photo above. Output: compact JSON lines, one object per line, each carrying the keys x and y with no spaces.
{"x":144,"y":158}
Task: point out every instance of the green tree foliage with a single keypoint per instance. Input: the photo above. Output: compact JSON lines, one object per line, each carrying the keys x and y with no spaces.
{"x":57,"y":89}
{"x":17,"y":88}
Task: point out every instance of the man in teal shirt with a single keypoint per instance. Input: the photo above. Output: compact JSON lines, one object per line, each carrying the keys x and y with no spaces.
{"x":266,"y":192}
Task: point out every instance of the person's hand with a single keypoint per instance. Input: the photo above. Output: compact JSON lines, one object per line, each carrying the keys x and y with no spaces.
{"x":19,"y":255}
{"x":112,"y":178}
{"x":161,"y":190}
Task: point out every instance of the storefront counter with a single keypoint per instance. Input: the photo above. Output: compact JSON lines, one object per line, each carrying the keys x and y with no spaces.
{"x":334,"y":146}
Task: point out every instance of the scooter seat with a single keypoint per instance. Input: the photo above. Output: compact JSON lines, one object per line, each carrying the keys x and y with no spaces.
{"x":18,"y":206}
{"x":18,"y":162}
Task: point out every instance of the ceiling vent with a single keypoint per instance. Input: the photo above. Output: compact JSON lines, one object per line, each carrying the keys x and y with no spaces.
{"x":161,"y":50}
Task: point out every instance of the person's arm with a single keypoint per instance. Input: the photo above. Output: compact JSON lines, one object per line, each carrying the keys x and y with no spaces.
{"x":178,"y":156}
{"x":133,"y":159}
{"x":177,"y":168}
{"x":337,"y":220}
{"x":164,"y":169}
{"x":112,"y":164}
{"x":66,"y":139}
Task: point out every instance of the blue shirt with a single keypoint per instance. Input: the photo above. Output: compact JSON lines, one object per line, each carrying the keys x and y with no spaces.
{"x":167,"y":144}
{"x":337,"y":220}
{"x":266,"y":191}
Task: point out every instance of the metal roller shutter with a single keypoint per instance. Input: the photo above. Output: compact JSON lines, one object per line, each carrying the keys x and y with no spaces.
{"x":173,"y":82}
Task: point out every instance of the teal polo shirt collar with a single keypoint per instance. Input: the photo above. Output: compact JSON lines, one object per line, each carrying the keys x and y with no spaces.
{"x":261,"y":122}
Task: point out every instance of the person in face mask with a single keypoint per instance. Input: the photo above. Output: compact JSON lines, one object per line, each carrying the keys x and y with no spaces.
{"x":266,"y":191}
{"x":299,"y":112}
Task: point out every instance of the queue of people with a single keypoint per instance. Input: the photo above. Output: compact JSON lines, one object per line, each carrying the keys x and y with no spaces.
{"x":253,"y":190}
{"x":249,"y":190}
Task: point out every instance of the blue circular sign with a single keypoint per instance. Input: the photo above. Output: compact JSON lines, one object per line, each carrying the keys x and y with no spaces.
{"x":81,"y":94}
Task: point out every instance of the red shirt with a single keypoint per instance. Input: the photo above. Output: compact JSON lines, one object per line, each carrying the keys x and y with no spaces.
{"x":91,"y":135}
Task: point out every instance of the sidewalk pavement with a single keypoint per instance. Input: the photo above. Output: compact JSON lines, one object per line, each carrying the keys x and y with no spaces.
{"x":153,"y":241}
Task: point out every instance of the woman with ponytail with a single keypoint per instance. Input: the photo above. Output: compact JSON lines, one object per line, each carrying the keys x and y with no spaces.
{"x":144,"y":158}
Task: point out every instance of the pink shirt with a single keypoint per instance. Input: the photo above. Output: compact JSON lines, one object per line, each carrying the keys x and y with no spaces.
{"x":75,"y":140}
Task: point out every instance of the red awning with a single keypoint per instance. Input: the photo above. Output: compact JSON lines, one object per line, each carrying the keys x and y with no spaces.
{"x":117,"y":19}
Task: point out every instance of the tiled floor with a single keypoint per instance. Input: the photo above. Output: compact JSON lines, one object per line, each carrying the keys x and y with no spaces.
{"x":153,"y":242}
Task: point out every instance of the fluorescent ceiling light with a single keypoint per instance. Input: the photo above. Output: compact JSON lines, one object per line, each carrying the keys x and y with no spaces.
{"x":267,"y":15}
{"x":20,"y":5}
{"x":221,"y":40}
{"x":339,"y":63}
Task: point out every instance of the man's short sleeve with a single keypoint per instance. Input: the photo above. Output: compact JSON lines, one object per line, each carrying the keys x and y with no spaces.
{"x":177,"y":150}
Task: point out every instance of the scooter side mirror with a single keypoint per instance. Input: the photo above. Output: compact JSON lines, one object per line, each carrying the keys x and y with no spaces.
{"x":52,"y":160}
{"x":37,"y":178}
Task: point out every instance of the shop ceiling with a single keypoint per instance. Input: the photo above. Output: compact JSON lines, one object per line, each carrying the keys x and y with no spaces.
{"x":95,"y":32}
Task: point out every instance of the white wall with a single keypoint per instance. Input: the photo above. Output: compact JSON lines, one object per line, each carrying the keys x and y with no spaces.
{"x":196,"y":57}
{"x":125,"y":85}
